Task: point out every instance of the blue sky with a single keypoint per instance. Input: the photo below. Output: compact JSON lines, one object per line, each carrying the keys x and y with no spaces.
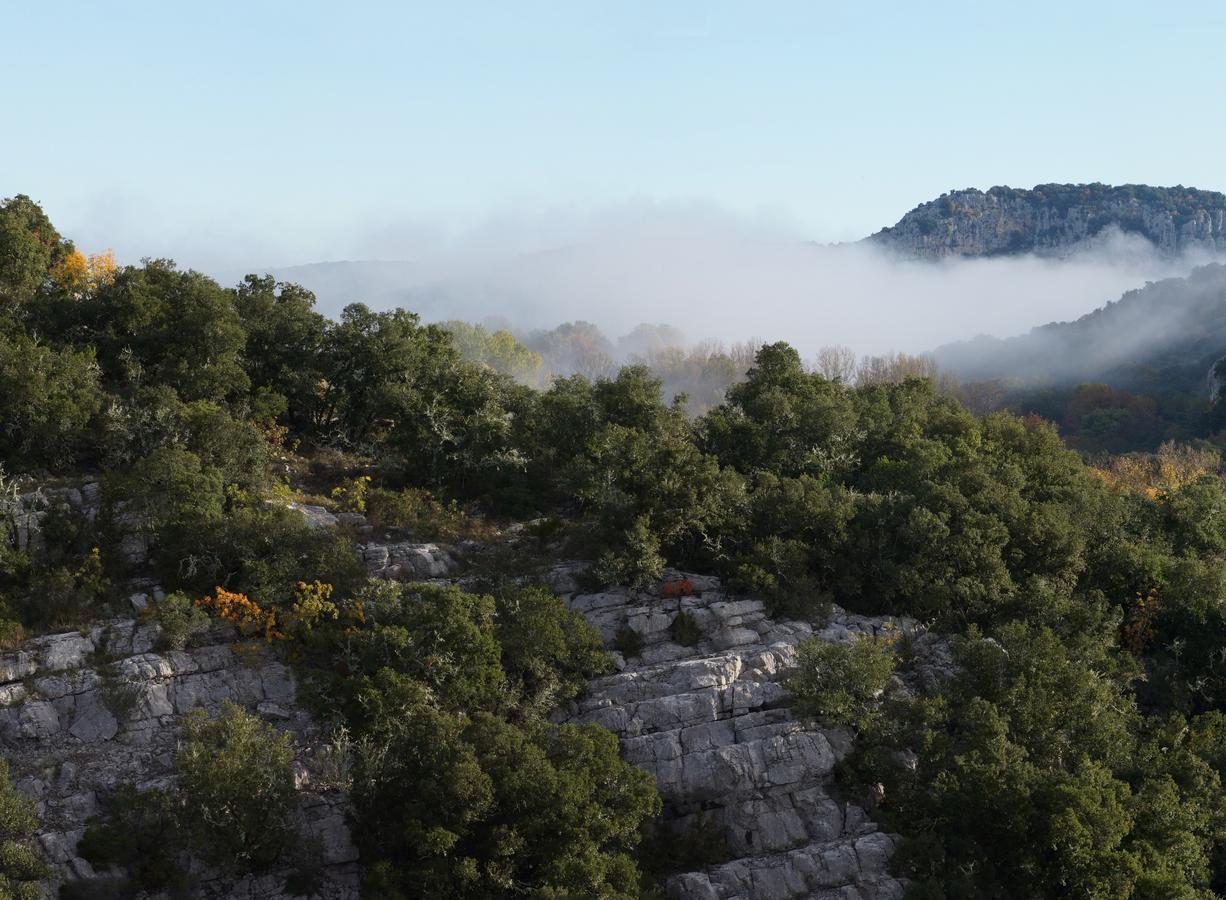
{"x":235,"y":133}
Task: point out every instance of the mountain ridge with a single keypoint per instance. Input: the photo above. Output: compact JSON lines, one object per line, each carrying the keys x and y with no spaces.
{"x":1056,"y":220}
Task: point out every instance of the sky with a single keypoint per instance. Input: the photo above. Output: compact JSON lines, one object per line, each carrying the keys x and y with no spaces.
{"x":227,"y":134}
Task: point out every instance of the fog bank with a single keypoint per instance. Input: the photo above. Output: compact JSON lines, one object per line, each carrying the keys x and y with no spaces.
{"x":719,"y":277}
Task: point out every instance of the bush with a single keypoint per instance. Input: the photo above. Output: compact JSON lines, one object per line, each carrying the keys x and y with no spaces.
{"x":838,"y":682}
{"x":429,"y":518}
{"x":236,"y":779}
{"x":47,"y":400}
{"x":141,"y":833}
{"x":685,"y":630}
{"x":21,"y":865}
{"x":179,"y":620}
{"x":628,"y":642}
{"x":548,"y":651}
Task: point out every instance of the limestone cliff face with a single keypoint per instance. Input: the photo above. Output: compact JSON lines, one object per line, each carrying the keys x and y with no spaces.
{"x":83,"y":712}
{"x":1057,"y":219}
{"x":712,"y":723}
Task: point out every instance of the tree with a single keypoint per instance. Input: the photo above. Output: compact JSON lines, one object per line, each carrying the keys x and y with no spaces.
{"x":29,"y":247}
{"x":838,"y":682}
{"x":473,"y":806}
{"x":499,"y":350}
{"x":284,"y":342}
{"x":48,"y":400}
{"x":176,"y":328}
{"x":235,"y":776}
{"x":837,"y":363}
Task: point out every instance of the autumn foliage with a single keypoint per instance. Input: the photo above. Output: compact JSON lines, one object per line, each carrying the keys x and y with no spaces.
{"x":677,"y":587}
{"x":1138,"y":629}
{"x":243,"y":613}
{"x":77,"y":273}
{"x":1172,"y":467}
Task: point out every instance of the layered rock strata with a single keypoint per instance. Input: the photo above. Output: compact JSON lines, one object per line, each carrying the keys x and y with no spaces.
{"x":711,"y":721}
{"x":83,"y":712}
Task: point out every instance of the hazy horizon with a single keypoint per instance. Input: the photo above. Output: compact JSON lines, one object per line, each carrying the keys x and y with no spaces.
{"x":620,"y":164}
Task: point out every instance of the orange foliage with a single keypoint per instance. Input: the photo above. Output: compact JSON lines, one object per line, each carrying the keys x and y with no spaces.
{"x":677,"y":588}
{"x":1138,"y":629}
{"x":243,"y":613}
{"x":77,"y":273}
{"x":102,"y":267}
{"x":71,"y":272}
{"x":1172,"y":467}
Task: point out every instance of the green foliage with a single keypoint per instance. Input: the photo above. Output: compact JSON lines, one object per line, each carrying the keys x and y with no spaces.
{"x":548,"y":651}
{"x":423,"y":514}
{"x":257,"y":549}
{"x":56,"y":582}
{"x":235,"y":776}
{"x":285,"y":338}
{"x":180,"y":329}
{"x":140,"y":832}
{"x":647,"y":489}
{"x":48,"y":399}
{"x":839,"y":683}
{"x":461,"y":787}
{"x":29,"y":247}
{"x":21,"y":865}
{"x":179,"y":620}
{"x":170,"y":490}
{"x":684,"y":629}
{"x":499,"y":350}
{"x":471,"y":806}
{"x":1030,"y":781}
{"x":628,"y":642}
{"x":231,"y":806}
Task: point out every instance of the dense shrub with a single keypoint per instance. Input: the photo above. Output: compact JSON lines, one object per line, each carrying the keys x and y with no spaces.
{"x":48,"y":400}
{"x":235,"y":777}
{"x":21,"y":865}
{"x":140,"y":832}
{"x":838,"y":683}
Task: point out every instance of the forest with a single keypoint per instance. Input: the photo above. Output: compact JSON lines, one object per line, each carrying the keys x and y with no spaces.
{"x":1078,"y":751}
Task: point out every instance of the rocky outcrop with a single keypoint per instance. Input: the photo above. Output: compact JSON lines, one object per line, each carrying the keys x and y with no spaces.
{"x":406,"y":560}
{"x":83,"y":712}
{"x":27,"y":514}
{"x":711,"y":721}
{"x":395,"y":559}
{"x":1057,"y":219}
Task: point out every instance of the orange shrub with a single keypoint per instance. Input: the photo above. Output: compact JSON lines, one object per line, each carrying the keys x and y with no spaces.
{"x":243,"y":613}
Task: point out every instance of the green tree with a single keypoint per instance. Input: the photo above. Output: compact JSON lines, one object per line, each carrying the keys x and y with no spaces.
{"x":284,"y":342}
{"x":29,"y":247}
{"x":48,"y":400}
{"x":158,"y":324}
{"x":839,"y":682}
{"x":235,"y":776}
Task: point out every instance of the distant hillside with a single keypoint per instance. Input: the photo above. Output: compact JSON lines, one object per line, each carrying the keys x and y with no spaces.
{"x":1056,"y":219}
{"x":382,"y":284}
{"x":1164,"y":336}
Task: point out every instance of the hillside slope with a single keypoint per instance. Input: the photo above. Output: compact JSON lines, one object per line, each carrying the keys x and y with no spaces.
{"x":1166,"y":335}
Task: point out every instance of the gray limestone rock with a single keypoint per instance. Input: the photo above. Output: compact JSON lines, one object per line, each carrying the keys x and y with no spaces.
{"x":70,"y":733}
{"x":711,"y":723}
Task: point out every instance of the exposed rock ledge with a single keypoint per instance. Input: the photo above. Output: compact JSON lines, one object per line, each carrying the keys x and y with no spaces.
{"x":711,"y":723}
{"x":82,"y":712}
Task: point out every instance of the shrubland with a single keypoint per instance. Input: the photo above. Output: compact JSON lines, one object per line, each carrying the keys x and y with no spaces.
{"x":1076,"y":752}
